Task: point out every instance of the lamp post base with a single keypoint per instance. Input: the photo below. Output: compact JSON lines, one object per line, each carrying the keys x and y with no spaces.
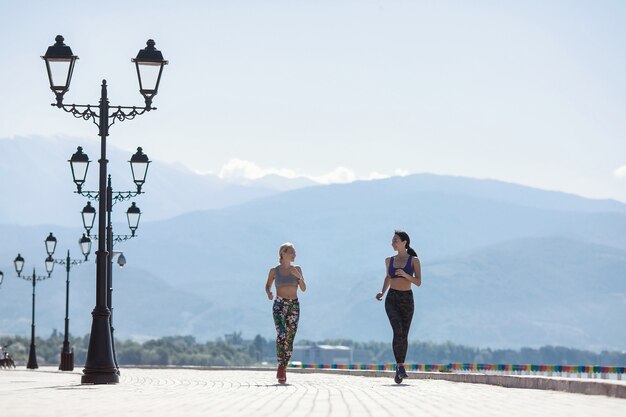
{"x":32,"y":358}
{"x":67,"y":361}
{"x":104,"y":377}
{"x":99,"y":366}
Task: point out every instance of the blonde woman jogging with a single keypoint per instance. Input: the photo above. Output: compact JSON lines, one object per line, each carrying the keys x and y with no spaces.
{"x":403,"y":271}
{"x":287,"y":279}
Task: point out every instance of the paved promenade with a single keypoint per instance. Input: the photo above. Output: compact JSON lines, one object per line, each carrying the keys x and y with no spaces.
{"x":193,"y":392}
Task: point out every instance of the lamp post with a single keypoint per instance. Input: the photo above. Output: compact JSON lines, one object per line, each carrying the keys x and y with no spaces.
{"x":19,"y":267}
{"x":99,"y":365}
{"x":121,"y":261}
{"x":67,"y":354}
{"x":79,"y":163}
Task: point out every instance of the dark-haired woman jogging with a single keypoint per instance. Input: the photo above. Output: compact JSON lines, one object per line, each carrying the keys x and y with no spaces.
{"x":403,"y":270}
{"x":286,"y":310}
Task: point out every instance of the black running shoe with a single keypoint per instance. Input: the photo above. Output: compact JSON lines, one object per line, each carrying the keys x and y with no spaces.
{"x":402,"y":372}
{"x":398,"y":378}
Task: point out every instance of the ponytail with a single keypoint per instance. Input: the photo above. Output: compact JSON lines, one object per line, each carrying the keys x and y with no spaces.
{"x":410,"y":251}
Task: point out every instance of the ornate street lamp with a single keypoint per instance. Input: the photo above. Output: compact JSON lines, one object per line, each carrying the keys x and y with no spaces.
{"x":89,"y":215}
{"x":51,"y":244}
{"x":49,"y":264}
{"x":85,"y":246}
{"x":60,"y":66}
{"x":67,"y":354}
{"x":133,"y":214}
{"x":19,"y":264}
{"x":100,"y":367}
{"x":19,"y":267}
{"x":149,"y":63}
{"x":79,"y":162}
{"x":139,"y":167}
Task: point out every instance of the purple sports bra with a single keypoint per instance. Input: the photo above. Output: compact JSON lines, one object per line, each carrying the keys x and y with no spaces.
{"x":408,"y":268}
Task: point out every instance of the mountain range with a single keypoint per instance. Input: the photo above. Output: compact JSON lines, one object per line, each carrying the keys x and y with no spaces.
{"x":37,"y":172}
{"x":504,"y":265}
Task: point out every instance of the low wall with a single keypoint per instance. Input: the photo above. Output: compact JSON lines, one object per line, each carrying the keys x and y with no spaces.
{"x":578,"y":386}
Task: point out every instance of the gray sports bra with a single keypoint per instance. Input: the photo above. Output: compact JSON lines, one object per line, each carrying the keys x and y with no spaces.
{"x":285,"y":281}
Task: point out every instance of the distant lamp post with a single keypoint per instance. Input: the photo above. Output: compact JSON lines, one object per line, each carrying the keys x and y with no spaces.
{"x":121,"y":261}
{"x":139,"y":167}
{"x":67,"y":354}
{"x":100,"y":367}
{"x":19,"y":267}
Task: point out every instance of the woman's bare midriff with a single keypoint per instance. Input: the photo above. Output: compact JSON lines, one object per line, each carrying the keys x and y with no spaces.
{"x":400,"y":284}
{"x":287,"y":292}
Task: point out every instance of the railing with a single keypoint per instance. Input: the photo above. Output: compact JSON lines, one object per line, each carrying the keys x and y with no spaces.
{"x":591,"y":371}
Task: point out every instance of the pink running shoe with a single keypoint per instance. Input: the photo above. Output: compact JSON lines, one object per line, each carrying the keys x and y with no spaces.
{"x":281,"y":374}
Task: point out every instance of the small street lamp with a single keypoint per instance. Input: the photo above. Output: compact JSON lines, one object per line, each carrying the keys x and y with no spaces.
{"x":49,"y":264}
{"x":100,"y":367}
{"x":88,"y":214}
{"x":79,"y":162}
{"x":139,"y":167}
{"x":19,"y":264}
{"x":51,"y":244}
{"x":19,"y":267}
{"x":133,"y":214}
{"x":85,"y":246}
{"x":67,"y":354}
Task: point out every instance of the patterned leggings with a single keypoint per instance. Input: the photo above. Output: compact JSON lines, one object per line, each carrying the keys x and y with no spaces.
{"x":399,"y":306}
{"x":286,"y":316}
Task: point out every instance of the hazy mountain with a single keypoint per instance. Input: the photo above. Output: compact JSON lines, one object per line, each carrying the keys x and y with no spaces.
{"x":36,"y":174}
{"x":528,"y":292}
{"x":503,"y":265}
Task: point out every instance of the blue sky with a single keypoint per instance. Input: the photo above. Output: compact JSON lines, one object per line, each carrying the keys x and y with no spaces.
{"x":531,"y":92}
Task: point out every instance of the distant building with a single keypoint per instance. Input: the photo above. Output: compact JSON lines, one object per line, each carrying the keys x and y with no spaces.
{"x":322,"y":354}
{"x":233,"y":339}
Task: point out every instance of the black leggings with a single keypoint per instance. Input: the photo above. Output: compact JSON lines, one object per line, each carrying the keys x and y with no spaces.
{"x":399,"y":307}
